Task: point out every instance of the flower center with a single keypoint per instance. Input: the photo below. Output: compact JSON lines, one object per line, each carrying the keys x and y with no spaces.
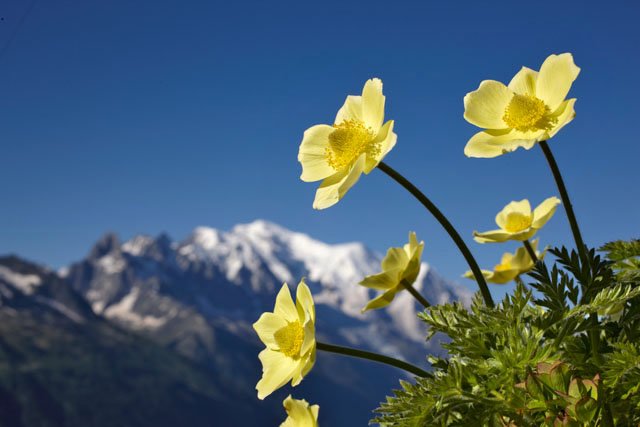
{"x":503,"y":267}
{"x":526,"y":113}
{"x":348,"y":141}
{"x":290,"y":339}
{"x":517,"y":221}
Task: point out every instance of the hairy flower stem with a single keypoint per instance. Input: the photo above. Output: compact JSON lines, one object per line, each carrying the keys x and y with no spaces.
{"x":529,"y":249}
{"x":568,"y":207}
{"x":484,"y":289}
{"x":413,"y":291}
{"x":347,"y":351}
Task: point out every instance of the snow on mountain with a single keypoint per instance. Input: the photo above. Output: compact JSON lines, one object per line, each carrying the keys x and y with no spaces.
{"x":182,"y":291}
{"x":26,"y":283}
{"x":334,"y":269}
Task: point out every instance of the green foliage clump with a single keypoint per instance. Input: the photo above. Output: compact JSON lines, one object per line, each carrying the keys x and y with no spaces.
{"x":562,"y":350}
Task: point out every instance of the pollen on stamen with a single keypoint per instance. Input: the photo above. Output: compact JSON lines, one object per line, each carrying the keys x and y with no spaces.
{"x":348,"y":141}
{"x":290,"y":339}
{"x":517,"y":221}
{"x":528,"y":113}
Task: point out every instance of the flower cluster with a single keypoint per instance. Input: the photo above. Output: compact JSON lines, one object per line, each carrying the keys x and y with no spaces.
{"x":531,"y":109}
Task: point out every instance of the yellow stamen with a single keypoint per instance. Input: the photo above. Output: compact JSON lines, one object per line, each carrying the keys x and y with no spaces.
{"x":290,"y":339}
{"x":348,"y":141}
{"x":516,"y":221}
{"x":527,"y":113}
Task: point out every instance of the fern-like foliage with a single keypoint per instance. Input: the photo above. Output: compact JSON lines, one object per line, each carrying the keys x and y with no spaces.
{"x":563,"y":349}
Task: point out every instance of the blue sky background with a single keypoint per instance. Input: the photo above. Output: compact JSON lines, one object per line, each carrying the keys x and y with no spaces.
{"x":142,"y":117}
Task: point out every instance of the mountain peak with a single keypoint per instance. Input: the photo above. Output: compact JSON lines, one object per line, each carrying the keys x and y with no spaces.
{"x":105,"y":245}
{"x":261,"y":227}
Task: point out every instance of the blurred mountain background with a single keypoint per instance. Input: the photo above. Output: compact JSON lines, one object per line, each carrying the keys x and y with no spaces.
{"x":157,"y":332}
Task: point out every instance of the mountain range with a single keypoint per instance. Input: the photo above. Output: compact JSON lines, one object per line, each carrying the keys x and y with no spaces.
{"x":152,"y":331}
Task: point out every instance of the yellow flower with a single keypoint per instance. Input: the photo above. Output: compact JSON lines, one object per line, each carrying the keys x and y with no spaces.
{"x":399,"y":265}
{"x":300,"y":414}
{"x":531,"y":109}
{"x":289,"y":334}
{"x":517,"y":222}
{"x":356,"y":143}
{"x":511,"y":266}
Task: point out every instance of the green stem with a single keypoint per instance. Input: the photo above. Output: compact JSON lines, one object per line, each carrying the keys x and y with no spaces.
{"x":347,"y":351}
{"x":594,"y":338}
{"x":413,"y":291}
{"x":532,"y":253}
{"x":568,"y":207}
{"x":484,"y":289}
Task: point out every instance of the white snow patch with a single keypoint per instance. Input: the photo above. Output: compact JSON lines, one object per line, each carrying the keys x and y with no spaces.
{"x":26,"y":283}
{"x":125,"y":312}
{"x":111,"y":264}
{"x":138,"y":245}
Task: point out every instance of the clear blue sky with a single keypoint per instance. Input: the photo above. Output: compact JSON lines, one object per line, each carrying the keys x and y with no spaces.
{"x":142,"y":117}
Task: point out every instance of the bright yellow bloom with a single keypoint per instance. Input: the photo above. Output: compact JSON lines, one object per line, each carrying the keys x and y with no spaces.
{"x":399,"y":265}
{"x":289,"y":334}
{"x":531,"y":109}
{"x":517,"y":222}
{"x":356,"y":143}
{"x":511,"y":266}
{"x":300,"y":414}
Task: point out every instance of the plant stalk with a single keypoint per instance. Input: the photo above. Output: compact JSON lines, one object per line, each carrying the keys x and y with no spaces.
{"x":484,"y":289}
{"x":530,"y":250}
{"x":413,"y":291}
{"x":347,"y":351}
{"x":564,"y":195}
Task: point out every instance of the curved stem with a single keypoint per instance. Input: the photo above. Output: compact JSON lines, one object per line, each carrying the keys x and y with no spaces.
{"x":417,"y":295}
{"x":348,"y":351}
{"x":568,"y":207}
{"x":532,"y":253}
{"x":484,"y":289}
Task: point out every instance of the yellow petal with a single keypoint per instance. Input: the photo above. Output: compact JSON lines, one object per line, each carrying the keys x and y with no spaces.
{"x":413,"y":245}
{"x":502,"y":277}
{"x":285,"y":307}
{"x":544,"y":211}
{"x":351,"y":110}
{"x":521,"y":260}
{"x":494,"y":143}
{"x":382,"y":281}
{"x":309,"y":337}
{"x":524,"y":82}
{"x":335,"y":187}
{"x":492,"y":236}
{"x":266,"y":327}
{"x":469,"y":274}
{"x":315,"y":409}
{"x":309,"y":362}
{"x":485,"y":106}
{"x":300,"y":414}
{"x":411,"y":271}
{"x":395,"y":259}
{"x":565,"y":114}
{"x":304,"y":302}
{"x":387,"y":140}
{"x":373,"y":104}
{"x":277,"y":370}
{"x":556,"y":76}
{"x":522,"y":207}
{"x":312,"y":154}
{"x":381,"y":301}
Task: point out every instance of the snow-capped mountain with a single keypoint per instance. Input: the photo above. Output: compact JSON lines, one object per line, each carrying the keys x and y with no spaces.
{"x":216,"y":279}
{"x":159,"y":320}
